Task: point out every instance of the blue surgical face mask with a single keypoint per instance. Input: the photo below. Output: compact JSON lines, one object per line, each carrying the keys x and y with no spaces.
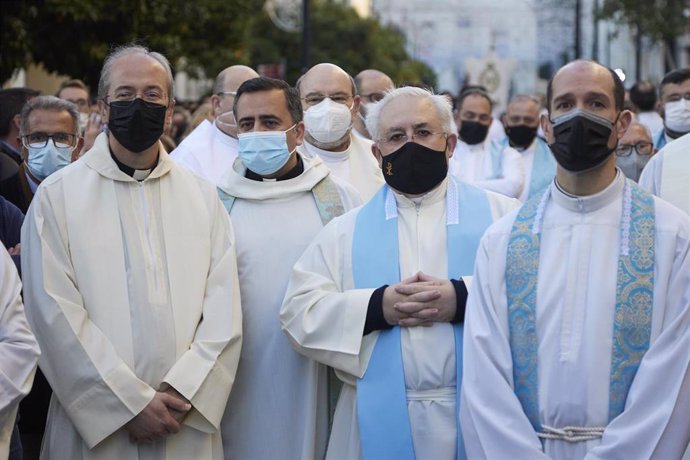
{"x":45,"y":161}
{"x":264,"y":152}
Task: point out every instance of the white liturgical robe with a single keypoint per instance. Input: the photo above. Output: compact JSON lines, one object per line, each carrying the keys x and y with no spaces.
{"x":575,"y":304}
{"x":355,"y":165}
{"x":667,"y":174}
{"x":324,"y":316}
{"x":207,"y":151}
{"x":473,"y":164}
{"x":131,"y":285}
{"x":18,"y":350}
{"x":278,"y":405}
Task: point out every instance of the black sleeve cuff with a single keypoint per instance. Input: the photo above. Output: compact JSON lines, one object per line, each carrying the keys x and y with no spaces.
{"x":375,"y":320}
{"x":461,"y":298}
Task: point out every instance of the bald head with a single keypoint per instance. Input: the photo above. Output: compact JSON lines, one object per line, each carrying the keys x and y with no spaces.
{"x":230,"y":78}
{"x":223,"y":98}
{"x":323,"y":76}
{"x":587,"y":69}
{"x":372,"y":84}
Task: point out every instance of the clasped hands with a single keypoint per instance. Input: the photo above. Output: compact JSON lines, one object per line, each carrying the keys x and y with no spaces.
{"x":419,"y":300}
{"x":161,"y":417}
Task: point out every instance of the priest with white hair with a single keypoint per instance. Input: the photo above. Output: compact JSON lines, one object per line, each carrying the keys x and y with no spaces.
{"x":380,"y":294}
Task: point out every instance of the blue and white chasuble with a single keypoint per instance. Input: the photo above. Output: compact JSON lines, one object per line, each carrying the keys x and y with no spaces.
{"x":383,"y":418}
{"x":632,"y":313}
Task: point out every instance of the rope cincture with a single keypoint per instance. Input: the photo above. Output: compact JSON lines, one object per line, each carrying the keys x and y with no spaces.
{"x":572,"y":433}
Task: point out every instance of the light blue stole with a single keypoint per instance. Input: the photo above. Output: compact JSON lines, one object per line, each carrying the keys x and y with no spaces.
{"x":384,"y":424}
{"x":660,"y":139}
{"x":543,"y":166}
{"x":634,"y":298}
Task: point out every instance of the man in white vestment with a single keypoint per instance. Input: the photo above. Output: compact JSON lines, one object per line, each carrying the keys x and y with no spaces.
{"x":330,"y":102}
{"x":577,"y":338}
{"x":371,"y":86}
{"x":522,"y":121}
{"x":131,"y":286}
{"x":372,"y":296}
{"x":210,"y":150}
{"x":674,"y":107}
{"x":278,"y":202}
{"x":477,"y":159}
{"x":667,"y":173}
{"x":18,"y":353}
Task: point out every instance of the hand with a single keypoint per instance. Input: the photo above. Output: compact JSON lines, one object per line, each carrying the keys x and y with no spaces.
{"x":15,"y":250}
{"x":177,"y":414}
{"x":155,"y":421}
{"x":391,"y":298}
{"x":427,"y":300}
{"x":92,"y":130}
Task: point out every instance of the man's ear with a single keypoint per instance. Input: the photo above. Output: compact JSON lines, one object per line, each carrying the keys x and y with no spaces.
{"x":452,"y":141}
{"x":623,"y":123}
{"x":377,"y":154}
{"x":546,"y":127}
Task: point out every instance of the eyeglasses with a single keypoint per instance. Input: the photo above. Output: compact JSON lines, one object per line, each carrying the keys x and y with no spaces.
{"x":397,"y":139}
{"x":642,"y":148}
{"x":152,"y":96}
{"x":373,"y":97}
{"x":226,"y":93}
{"x":39,"y":140}
{"x":340,"y":98}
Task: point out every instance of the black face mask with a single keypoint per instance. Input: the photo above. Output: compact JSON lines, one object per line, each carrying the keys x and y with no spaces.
{"x":414,"y":169}
{"x":473,"y":132}
{"x":581,"y":140}
{"x":137,"y":124}
{"x":521,"y":136}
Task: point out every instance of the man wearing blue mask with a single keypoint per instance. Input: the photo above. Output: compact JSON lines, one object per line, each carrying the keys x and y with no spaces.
{"x":331,"y":103}
{"x":130,"y":285}
{"x":372,"y":296}
{"x":49,"y":133}
{"x":278,"y":201}
{"x":210,"y":150}
{"x":576,"y":341}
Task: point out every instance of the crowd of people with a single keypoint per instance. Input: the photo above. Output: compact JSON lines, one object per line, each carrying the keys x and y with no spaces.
{"x":344,"y":269}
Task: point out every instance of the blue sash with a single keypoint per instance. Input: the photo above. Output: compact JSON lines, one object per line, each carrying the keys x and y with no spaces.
{"x":543,"y":166}
{"x":496,"y":154}
{"x":660,"y":139}
{"x":634,"y":298}
{"x":384,"y":424}
{"x":543,"y":169}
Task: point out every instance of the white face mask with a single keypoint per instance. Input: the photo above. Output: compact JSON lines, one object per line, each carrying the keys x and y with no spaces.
{"x":677,"y":116}
{"x":328,"y":121}
{"x":226,"y":121}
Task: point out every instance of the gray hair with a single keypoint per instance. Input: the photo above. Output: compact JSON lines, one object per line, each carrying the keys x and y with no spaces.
{"x":441,"y":103}
{"x":104,"y":81}
{"x":51,"y":103}
{"x":644,"y":127}
{"x":525,"y":98}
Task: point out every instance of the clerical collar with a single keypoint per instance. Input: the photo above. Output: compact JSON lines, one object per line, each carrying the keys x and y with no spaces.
{"x":291,"y":174}
{"x":136,"y":174}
